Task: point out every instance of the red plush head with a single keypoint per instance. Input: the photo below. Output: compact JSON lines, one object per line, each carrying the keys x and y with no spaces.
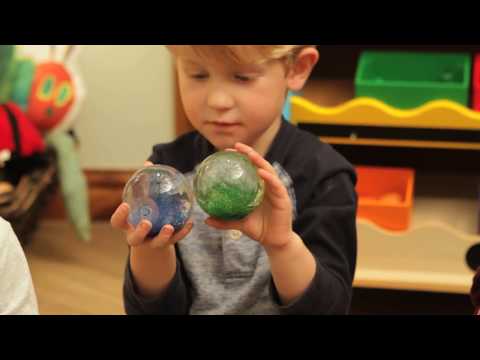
{"x":52,"y":95}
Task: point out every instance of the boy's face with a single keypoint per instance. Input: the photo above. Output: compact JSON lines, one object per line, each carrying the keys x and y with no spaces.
{"x":229,"y":103}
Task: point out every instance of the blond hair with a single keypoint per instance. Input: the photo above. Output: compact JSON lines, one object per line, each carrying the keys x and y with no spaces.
{"x":242,"y":54}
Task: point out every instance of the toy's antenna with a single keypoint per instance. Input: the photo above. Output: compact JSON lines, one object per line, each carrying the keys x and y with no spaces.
{"x":68,"y":52}
{"x":52,"y":52}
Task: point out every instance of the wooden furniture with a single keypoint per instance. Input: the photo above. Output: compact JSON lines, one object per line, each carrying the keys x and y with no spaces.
{"x":440,"y":141}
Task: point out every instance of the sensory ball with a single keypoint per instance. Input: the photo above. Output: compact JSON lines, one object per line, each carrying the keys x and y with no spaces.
{"x":161,"y":195}
{"x":227,"y":186}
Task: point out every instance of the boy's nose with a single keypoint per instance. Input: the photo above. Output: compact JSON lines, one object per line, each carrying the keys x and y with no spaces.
{"x":220,"y":100}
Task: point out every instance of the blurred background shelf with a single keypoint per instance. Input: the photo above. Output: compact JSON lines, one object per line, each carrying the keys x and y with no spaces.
{"x":440,"y":141}
{"x":329,"y":92}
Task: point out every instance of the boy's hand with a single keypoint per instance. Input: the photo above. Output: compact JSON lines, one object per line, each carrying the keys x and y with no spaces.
{"x":270,"y":223}
{"x":138,"y":236}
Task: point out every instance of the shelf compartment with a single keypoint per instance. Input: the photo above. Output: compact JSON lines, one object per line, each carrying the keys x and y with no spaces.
{"x":429,"y":257}
{"x":410,"y":79}
{"x":385,"y":196}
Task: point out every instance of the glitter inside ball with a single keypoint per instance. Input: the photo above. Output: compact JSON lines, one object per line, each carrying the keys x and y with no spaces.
{"x":161,"y":195}
{"x":227,"y":185}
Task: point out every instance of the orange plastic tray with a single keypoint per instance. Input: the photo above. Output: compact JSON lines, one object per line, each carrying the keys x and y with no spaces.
{"x":385,"y":196}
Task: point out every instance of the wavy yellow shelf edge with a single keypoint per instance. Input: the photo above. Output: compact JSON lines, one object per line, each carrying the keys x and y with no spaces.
{"x":441,"y":114}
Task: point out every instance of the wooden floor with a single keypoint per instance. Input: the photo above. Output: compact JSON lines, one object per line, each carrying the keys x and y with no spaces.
{"x":72,"y":277}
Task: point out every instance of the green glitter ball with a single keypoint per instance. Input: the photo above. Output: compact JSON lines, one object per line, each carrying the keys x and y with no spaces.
{"x":227,"y":186}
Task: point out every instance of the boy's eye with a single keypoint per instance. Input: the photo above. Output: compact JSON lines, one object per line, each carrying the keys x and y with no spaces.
{"x":243,"y":78}
{"x":199,"y":76}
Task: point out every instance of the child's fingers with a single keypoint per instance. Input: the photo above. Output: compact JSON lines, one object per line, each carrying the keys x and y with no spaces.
{"x":162,"y":238}
{"x":167,"y":237}
{"x":120,"y":216}
{"x":255,"y":157}
{"x":137,"y":236}
{"x":274,"y":185}
{"x":147,"y":164}
{"x":181,"y":234}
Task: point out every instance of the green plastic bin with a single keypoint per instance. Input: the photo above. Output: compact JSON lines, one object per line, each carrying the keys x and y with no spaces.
{"x":407,"y":80}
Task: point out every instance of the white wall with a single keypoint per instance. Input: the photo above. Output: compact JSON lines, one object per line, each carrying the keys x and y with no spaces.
{"x":128,"y":107}
{"x":128,"y":104}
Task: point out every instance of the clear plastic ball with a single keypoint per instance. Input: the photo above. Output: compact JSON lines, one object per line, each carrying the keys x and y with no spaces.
{"x":161,"y":195}
{"x":227,"y":186}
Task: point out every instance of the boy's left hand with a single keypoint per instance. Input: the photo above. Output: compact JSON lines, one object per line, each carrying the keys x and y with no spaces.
{"x":271,"y":223}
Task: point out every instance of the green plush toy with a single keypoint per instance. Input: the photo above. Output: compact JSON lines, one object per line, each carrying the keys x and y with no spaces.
{"x":72,"y":182}
{"x":7,"y":53}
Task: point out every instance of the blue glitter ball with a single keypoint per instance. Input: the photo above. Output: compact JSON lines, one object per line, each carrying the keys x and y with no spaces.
{"x":161,"y":195}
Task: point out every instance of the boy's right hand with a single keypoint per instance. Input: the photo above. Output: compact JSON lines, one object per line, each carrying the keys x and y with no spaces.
{"x":138,"y":236}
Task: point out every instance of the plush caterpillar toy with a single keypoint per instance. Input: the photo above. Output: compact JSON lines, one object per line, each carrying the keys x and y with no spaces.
{"x":49,"y":93}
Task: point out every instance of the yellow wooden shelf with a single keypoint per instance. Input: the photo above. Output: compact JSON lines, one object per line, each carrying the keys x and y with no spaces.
{"x":351,"y":123}
{"x":438,"y":114}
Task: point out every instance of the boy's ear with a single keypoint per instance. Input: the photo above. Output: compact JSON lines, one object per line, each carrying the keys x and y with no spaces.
{"x":301,"y":69}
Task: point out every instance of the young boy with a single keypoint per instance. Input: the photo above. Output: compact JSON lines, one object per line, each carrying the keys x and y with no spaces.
{"x":17,"y":295}
{"x":296,"y":253}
